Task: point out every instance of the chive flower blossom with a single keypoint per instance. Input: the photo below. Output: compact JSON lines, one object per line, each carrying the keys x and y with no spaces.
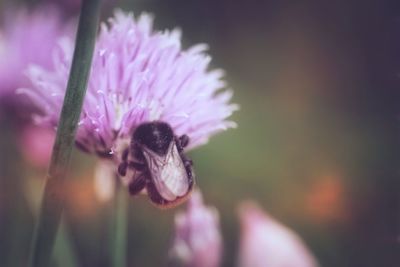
{"x":137,"y":75}
{"x":264,"y":242}
{"x":197,"y":241}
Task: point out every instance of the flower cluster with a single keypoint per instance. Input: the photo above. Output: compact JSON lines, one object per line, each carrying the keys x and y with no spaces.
{"x":137,"y":75}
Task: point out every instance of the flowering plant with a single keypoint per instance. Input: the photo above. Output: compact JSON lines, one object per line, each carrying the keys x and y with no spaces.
{"x":137,"y":76}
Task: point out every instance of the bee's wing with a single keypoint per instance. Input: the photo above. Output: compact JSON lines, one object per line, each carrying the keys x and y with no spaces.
{"x":168,"y":173}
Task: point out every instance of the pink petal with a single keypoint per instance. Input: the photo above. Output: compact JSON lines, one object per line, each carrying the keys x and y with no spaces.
{"x":265,"y":242}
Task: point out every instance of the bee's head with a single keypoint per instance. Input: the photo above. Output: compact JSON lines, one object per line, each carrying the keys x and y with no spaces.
{"x":156,"y":136}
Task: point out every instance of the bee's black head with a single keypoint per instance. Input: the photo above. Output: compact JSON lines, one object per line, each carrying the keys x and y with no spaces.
{"x":156,"y":136}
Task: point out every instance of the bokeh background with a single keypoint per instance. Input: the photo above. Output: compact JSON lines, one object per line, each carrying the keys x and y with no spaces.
{"x":317,"y":143}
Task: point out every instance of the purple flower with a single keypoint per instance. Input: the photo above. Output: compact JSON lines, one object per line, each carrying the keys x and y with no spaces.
{"x":137,"y":76}
{"x":198,"y":242}
{"x":265,"y":242}
{"x":26,"y":37}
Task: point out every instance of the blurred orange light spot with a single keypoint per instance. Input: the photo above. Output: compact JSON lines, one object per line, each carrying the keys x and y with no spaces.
{"x":325,"y":201}
{"x":81,"y":201}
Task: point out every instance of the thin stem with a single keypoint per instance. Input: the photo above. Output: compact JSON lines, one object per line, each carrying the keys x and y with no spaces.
{"x":53,"y":197}
{"x":120,"y":227}
{"x":64,"y":253}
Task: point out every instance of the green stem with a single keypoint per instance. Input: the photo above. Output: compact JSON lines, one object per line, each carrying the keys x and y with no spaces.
{"x":120,"y":227}
{"x":53,"y":197}
{"x":64,"y":253}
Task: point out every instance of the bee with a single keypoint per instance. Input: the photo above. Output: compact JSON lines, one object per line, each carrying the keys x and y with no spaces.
{"x":156,"y":155}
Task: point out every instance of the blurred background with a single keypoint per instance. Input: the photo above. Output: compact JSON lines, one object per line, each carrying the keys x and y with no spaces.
{"x":317,"y":143}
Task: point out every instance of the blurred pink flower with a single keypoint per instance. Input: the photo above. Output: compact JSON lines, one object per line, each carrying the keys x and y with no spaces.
{"x":198,"y":242}
{"x":36,"y":145}
{"x":137,"y":76}
{"x":26,"y":37}
{"x":104,"y":180}
{"x":267,"y":243}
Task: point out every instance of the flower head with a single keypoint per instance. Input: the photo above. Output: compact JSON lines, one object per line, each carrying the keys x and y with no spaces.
{"x":140,"y":76}
{"x":267,"y":243}
{"x":137,"y":76}
{"x":198,"y":242}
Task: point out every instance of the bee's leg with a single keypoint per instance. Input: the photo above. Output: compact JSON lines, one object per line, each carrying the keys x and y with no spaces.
{"x":137,"y":153}
{"x":186,"y":161}
{"x":191,"y":177}
{"x":137,"y":185}
{"x":125,"y":154}
{"x":122,"y":168}
{"x":137,"y":165}
{"x":182,"y":142}
{"x":184,"y":139}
